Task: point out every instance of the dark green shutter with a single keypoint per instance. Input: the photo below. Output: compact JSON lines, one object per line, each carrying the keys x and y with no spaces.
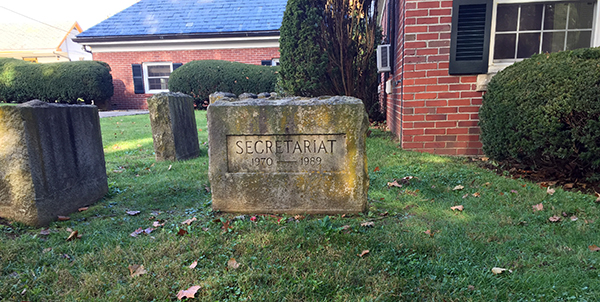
{"x":176,"y":65}
{"x":470,"y":44}
{"x":138,"y":78}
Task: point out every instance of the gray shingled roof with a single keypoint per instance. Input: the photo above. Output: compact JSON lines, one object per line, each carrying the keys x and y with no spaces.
{"x":190,"y":17}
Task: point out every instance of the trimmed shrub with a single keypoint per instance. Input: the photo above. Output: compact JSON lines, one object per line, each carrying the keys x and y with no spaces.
{"x":544,"y":112}
{"x":201,"y":78}
{"x":65,"y":82}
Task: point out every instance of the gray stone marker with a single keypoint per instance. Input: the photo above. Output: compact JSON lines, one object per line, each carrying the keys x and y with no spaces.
{"x":51,"y":161}
{"x":288,"y":156}
{"x":173,"y":124}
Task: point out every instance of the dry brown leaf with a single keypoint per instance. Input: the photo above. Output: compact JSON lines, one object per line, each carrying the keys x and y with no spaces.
{"x":47,"y":250}
{"x":394,"y":184}
{"x":459,"y":187}
{"x":298,"y":217}
{"x":550,"y":191}
{"x":569,"y":186}
{"x":189,"y":221}
{"x":466,"y":195}
{"x":69,"y":230}
{"x":188,"y":293}
{"x":376,"y":169}
{"x":82,"y":209}
{"x":45,"y":232}
{"x":63,"y":218}
{"x":226,"y":226}
{"x":182,"y":232}
{"x":384,"y":214}
{"x":368,"y":224}
{"x":428,"y":232}
{"x":136,"y":270}
{"x":232,"y":264}
{"x":363,"y":253}
{"x":157,"y":224}
{"x":538,"y":207}
{"x":74,"y":235}
{"x":459,"y":208}
{"x":132,"y":213}
{"x":574,"y":218}
{"x":471,"y":287}
{"x":476,"y":194}
{"x":193,"y":265}
{"x":136,"y":232}
{"x":594,"y":248}
{"x":148,"y":230}
{"x":554,"y":218}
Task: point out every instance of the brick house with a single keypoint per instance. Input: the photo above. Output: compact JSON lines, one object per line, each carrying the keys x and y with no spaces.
{"x":144,"y":43}
{"x":443,"y":53}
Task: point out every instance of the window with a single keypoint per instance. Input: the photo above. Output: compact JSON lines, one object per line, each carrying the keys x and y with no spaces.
{"x":272,"y":62}
{"x":505,"y":31}
{"x":524,"y":29}
{"x":152,"y":77}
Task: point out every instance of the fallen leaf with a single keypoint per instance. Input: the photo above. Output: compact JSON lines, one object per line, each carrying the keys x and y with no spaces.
{"x":498,"y":270}
{"x":207,"y":189}
{"x":66,"y":256}
{"x":569,"y":186}
{"x":45,"y":232}
{"x":63,"y":218}
{"x":69,"y":230}
{"x":169,"y":169}
{"x":136,"y":232}
{"x":574,"y":218}
{"x":564,"y":214}
{"x":550,"y":191}
{"x":471,"y":287}
{"x":376,"y":169}
{"x":364,"y":252}
{"x":346,"y":227}
{"x":538,"y":207}
{"x":459,"y":208}
{"x":148,"y":230}
{"x":132,"y":213}
{"x":193,"y":265}
{"x":226,"y":227}
{"x":136,"y":270}
{"x":465,"y":196}
{"x":188,"y":293}
{"x":394,"y":184}
{"x":47,"y":250}
{"x":514,"y":191}
{"x":300,"y":217}
{"x":384,"y":214}
{"x":368,"y":224}
{"x":594,"y":248}
{"x":182,"y":232}
{"x":459,"y":187}
{"x":205,"y":229}
{"x":232,"y":264}
{"x":157,"y":224}
{"x":189,"y":221}
{"x":74,"y":235}
{"x":554,"y":218}
{"x":82,"y":209}
{"x":428,"y":232}
{"x":476,"y":194}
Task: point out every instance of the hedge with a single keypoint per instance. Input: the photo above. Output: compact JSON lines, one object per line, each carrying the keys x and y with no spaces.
{"x":65,"y":82}
{"x":544,"y":112}
{"x":201,"y":78}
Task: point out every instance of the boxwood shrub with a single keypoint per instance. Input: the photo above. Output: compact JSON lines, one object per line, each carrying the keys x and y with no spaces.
{"x":544,"y":112}
{"x":201,"y":78}
{"x":65,"y":82}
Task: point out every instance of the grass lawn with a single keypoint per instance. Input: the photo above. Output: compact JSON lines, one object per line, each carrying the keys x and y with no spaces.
{"x":419,"y":249}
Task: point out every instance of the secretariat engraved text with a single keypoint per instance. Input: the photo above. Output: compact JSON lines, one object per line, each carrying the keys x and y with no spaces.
{"x":286,"y":153}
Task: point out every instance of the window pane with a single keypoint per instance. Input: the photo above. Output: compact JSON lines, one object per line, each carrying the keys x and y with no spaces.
{"x":581,"y":15}
{"x":529,"y":44}
{"x":161,"y":84}
{"x":578,"y":39}
{"x":553,"y":42}
{"x":159,"y":70}
{"x":531,"y":17}
{"x":504,"y":47}
{"x":556,"y":16}
{"x":506,"y":18}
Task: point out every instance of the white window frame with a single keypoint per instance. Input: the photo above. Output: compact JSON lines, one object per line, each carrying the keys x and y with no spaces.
{"x":145,"y":73}
{"x":494,"y":67}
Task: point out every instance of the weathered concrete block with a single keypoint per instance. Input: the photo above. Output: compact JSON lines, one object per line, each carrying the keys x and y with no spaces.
{"x":213,"y":97}
{"x":173,"y":126}
{"x":288,"y":156}
{"x":51,"y":161}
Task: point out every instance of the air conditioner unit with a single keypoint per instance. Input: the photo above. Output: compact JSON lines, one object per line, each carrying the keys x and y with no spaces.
{"x":384,"y":58}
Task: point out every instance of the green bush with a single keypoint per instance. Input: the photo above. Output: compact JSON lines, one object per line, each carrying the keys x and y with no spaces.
{"x":201,"y":78}
{"x":65,"y":82}
{"x":544,"y":112}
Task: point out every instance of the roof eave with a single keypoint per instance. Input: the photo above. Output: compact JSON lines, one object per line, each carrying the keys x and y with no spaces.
{"x":263,"y":33}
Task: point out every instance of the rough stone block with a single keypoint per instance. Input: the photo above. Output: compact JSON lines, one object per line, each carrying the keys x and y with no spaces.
{"x":173,"y":124}
{"x":288,"y":156}
{"x":51,"y":161}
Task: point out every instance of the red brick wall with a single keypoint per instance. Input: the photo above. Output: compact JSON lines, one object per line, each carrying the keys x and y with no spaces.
{"x":430,"y":110}
{"x":120,"y":64}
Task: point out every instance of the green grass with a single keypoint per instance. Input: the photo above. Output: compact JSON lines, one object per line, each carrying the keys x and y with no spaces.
{"x":315,"y":258}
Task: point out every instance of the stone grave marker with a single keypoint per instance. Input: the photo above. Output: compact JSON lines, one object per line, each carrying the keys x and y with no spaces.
{"x":290,"y":155}
{"x":174,"y":130}
{"x":51,"y":161}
